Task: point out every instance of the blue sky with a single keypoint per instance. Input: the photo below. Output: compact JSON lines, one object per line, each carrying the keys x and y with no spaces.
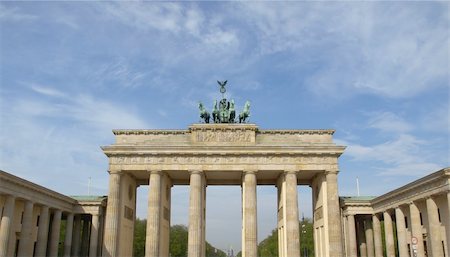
{"x":377,"y":72}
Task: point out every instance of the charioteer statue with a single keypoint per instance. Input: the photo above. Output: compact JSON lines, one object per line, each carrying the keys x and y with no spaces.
{"x":224,"y":111}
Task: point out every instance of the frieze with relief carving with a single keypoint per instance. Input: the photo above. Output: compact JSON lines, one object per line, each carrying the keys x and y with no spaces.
{"x":219,"y":159}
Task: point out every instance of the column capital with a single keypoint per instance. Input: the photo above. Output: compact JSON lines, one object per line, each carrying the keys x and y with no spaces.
{"x":291,"y":171}
{"x":158,"y":172}
{"x":115,"y":171}
{"x":249,"y":171}
{"x":195,"y":172}
{"x":331,"y":172}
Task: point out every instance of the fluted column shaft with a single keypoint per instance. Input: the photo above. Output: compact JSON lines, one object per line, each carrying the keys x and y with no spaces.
{"x":112,"y":230}
{"x":249,"y":212}
{"x":6,"y":224}
{"x":351,"y":236}
{"x":416,"y":228}
{"x":369,"y":237}
{"x":195,"y":236}
{"x":154,"y":215}
{"x":76,"y":236}
{"x":42,"y":239}
{"x":68,"y":238}
{"x":401,"y":232}
{"x":93,"y":242}
{"x":54,"y":236}
{"x":334,"y":217}
{"x":389,"y":235}
{"x":434,"y":229}
{"x":25,"y":245}
{"x":378,"y":244}
{"x":292,"y":220}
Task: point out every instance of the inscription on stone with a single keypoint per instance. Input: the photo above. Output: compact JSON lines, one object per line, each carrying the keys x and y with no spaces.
{"x":223,"y":136}
{"x":128,"y":213}
{"x":318,"y":214}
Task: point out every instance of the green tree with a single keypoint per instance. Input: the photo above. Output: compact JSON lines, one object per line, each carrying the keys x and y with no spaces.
{"x":140,"y":228}
{"x":178,"y":241}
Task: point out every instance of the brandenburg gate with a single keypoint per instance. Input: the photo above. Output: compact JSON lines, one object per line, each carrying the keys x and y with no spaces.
{"x":223,"y":153}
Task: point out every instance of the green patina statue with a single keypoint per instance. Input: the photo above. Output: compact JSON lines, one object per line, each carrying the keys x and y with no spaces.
{"x":224,"y":112}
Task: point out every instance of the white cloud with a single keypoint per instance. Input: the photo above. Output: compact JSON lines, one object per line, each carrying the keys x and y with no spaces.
{"x":404,"y":155}
{"x":388,"y":122}
{"x":46,"y":90}
{"x":14,"y":14}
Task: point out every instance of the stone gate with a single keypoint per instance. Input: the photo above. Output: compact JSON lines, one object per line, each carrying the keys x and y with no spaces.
{"x":222,"y":154}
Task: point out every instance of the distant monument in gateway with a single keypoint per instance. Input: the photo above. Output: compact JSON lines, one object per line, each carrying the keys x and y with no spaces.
{"x":224,"y":150}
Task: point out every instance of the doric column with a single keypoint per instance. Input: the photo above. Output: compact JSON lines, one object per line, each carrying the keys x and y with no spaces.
{"x":351,"y":236}
{"x":249,"y":224}
{"x":6,"y":224}
{"x":26,"y":244}
{"x":76,"y":236}
{"x":195,"y":244}
{"x":42,"y":239}
{"x":93,"y":242}
{"x":390,"y":248}
{"x":68,"y":237}
{"x":154,"y":215}
{"x":401,"y":232}
{"x":361,"y":238}
{"x":292,"y":220}
{"x":112,"y":229}
{"x":334,"y":216}
{"x":434,"y":232}
{"x":416,"y":228}
{"x":378,"y":244}
{"x":369,"y":237}
{"x":54,"y":236}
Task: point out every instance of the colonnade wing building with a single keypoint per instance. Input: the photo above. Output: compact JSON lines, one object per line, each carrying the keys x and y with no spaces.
{"x":32,"y":218}
{"x":414,"y":218}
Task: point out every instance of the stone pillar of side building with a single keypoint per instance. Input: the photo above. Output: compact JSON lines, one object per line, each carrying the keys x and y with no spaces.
{"x":26,"y":243}
{"x":416,"y":228}
{"x":93,"y":241}
{"x":352,"y":250}
{"x":196,"y":227}
{"x":378,"y":243}
{"x":42,"y":237}
{"x":389,"y":234}
{"x":401,"y":232}
{"x":334,"y":217}
{"x":55,"y":232}
{"x":288,"y":218}
{"x":158,"y":219}
{"x":434,"y":229}
{"x":7,"y":224}
{"x":361,"y":235}
{"x":68,"y":236}
{"x":76,"y":236}
{"x":120,"y":214}
{"x":249,"y":215}
{"x":369,"y":237}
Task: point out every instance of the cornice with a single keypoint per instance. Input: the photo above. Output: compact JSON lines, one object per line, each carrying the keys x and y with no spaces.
{"x":297,"y":132}
{"x":7,"y":177}
{"x":149,"y":132}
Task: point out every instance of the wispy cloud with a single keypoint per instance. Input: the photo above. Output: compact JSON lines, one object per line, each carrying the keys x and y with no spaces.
{"x":388,"y":122}
{"x":14,"y":14}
